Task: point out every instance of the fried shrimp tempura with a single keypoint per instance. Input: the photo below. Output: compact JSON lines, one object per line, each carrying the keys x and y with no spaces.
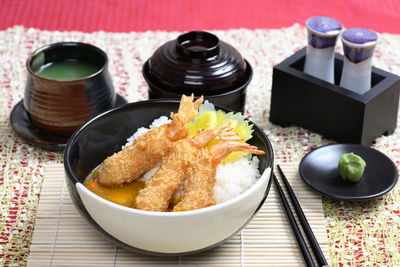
{"x":198,"y":192}
{"x":158,"y":192}
{"x":148,"y":149}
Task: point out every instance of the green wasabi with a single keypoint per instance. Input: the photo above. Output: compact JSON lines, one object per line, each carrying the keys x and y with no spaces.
{"x":351,"y":167}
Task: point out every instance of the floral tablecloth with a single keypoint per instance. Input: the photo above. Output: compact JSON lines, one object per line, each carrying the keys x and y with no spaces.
{"x":360,"y":234}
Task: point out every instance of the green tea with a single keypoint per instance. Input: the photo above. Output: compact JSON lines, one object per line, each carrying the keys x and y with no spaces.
{"x":67,"y":70}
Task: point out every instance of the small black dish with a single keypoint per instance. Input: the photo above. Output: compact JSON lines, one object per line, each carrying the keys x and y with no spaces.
{"x":24,"y":128}
{"x":319,"y":170}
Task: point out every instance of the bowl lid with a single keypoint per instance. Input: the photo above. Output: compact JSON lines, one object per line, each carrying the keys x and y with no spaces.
{"x":197,"y":62}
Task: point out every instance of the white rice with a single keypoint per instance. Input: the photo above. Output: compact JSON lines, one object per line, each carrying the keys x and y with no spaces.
{"x":232,"y":178}
{"x":142,"y":130}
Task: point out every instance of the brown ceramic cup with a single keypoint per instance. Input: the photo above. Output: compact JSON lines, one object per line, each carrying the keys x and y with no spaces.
{"x":60,"y":106}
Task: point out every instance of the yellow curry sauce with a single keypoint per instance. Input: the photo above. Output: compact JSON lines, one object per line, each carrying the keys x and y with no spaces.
{"x":124,"y":195}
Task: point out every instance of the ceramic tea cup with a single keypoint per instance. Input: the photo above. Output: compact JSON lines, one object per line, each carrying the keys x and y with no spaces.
{"x":68,"y":83}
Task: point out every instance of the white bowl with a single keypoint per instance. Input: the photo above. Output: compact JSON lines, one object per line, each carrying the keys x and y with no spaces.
{"x":157,"y":233}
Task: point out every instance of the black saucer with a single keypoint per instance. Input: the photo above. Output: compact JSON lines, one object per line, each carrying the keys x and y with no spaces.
{"x":23,"y":127}
{"x":319,"y":170}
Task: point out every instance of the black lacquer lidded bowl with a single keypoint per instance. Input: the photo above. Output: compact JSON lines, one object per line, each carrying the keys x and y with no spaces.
{"x":198,"y":62}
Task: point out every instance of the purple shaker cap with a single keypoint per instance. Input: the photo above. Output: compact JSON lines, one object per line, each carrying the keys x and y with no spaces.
{"x":359,"y":37}
{"x":323,"y":25}
{"x":359,"y":44}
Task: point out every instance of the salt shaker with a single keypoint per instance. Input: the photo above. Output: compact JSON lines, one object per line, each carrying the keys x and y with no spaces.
{"x":358,"y":47}
{"x":322,"y":35}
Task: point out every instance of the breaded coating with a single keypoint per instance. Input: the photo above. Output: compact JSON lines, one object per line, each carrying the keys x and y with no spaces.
{"x":134,"y":160}
{"x":148,"y":149}
{"x":158,"y":192}
{"x":199,"y":187}
{"x":198,"y":191}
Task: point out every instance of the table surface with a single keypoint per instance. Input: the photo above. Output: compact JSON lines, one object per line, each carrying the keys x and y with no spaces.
{"x":18,"y":196}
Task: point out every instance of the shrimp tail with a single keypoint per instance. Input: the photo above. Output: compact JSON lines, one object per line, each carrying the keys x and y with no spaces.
{"x":227,"y":134}
{"x":205,"y":137}
{"x":222,"y":149}
{"x":187,"y":111}
{"x":188,"y":108}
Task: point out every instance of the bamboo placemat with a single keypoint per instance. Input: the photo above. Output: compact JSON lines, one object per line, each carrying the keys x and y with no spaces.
{"x":63,"y":238}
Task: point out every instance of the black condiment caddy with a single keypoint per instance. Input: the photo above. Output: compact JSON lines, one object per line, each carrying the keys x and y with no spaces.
{"x":299,"y":99}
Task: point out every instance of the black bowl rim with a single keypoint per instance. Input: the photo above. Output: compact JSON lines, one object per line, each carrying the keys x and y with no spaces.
{"x":249,"y":72}
{"x":74,"y":180}
{"x":144,"y":102}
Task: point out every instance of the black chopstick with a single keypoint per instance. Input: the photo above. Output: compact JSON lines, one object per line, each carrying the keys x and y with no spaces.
{"x":304,"y":223}
{"x":296,"y":230}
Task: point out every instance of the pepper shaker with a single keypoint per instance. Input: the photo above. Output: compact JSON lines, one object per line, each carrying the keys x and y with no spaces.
{"x":358,"y":47}
{"x":322,"y":34}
